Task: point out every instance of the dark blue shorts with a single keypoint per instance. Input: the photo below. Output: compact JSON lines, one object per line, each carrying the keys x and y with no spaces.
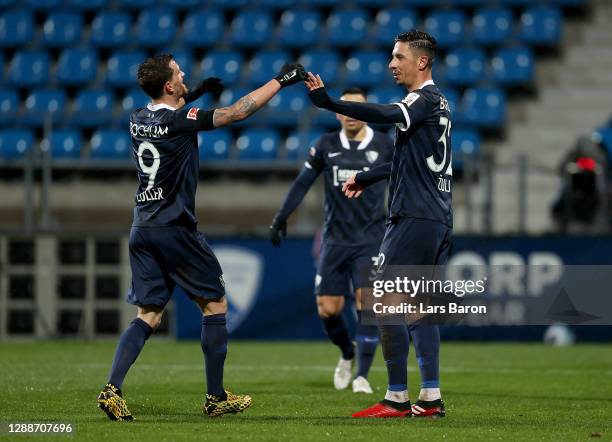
{"x":163,"y":257}
{"x":415,"y":241}
{"x":341,"y":268}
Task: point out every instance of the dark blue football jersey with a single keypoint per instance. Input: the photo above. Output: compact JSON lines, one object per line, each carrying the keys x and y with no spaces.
{"x":165,"y":149}
{"x":420,"y":185}
{"x":359,"y":221}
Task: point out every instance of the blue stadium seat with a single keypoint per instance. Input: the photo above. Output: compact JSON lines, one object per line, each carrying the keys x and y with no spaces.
{"x":483,"y":108}
{"x":44,"y":105}
{"x":464,"y":66}
{"x":77,"y":67}
{"x":43,"y":4}
{"x":286,"y":108}
{"x":9,"y":106}
{"x":14,"y":143}
{"x":372,"y":3}
{"x":448,"y":27}
{"x":387,"y":94}
{"x":111,"y":144}
{"x":367,"y":68}
{"x":16,"y":28}
{"x":111,"y":29}
{"x":469,"y":3}
{"x":323,"y":62}
{"x":88,"y":5}
{"x":137,"y":4}
{"x":297,"y":145}
{"x":92,"y":108}
{"x":251,"y":28}
{"x":324,"y":3}
{"x":390,"y":22}
{"x":231,"y":4}
{"x":258,"y":144}
{"x":465,"y":145}
{"x":214,"y":145}
{"x":513,"y":66}
{"x":541,"y":26}
{"x":29,"y":68}
{"x":155,"y":27}
{"x":492,"y":26}
{"x":265,"y":65}
{"x":62,"y":29}
{"x":347,"y":27}
{"x":223,"y":64}
{"x":1,"y":66}
{"x":203,"y":28}
{"x":64,"y":143}
{"x":299,"y":28}
{"x":133,"y":99}
{"x":122,"y":67}
{"x":421,"y":3}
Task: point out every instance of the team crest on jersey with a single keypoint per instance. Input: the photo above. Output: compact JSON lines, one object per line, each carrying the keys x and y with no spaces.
{"x":193,"y":113}
{"x":411,"y":98}
{"x":371,"y":156}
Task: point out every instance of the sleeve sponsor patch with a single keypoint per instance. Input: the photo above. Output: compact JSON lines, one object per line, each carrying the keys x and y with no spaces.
{"x":193,"y":113}
{"x":312,"y":151}
{"x":411,"y":98}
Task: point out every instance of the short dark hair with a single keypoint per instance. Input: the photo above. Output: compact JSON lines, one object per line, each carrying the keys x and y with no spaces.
{"x":420,"y":40}
{"x":354,"y":91}
{"x":153,"y":73}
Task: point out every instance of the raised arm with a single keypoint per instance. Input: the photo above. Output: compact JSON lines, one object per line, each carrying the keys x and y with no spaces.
{"x":250,"y":103}
{"x":369,"y":112}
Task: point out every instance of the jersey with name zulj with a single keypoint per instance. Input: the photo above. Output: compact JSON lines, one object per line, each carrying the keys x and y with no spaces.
{"x":165,"y":149}
{"x":420,"y":185}
{"x":357,"y":221}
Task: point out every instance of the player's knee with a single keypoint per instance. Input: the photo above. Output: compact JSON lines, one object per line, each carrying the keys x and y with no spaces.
{"x":154,"y":319}
{"x":327,"y":309}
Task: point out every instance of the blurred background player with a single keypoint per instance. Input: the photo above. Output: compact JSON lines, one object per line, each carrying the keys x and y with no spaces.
{"x":420,"y":212}
{"x":165,"y":247}
{"x":352,"y":234}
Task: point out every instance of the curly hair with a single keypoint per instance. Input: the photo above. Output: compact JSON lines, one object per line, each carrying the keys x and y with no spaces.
{"x":153,"y":73}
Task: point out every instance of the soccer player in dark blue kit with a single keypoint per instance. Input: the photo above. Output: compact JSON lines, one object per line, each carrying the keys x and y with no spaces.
{"x":419,"y":223}
{"x":352,"y":234}
{"x":165,"y":247}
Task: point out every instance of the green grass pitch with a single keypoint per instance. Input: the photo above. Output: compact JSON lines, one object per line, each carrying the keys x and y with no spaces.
{"x":492,"y":392}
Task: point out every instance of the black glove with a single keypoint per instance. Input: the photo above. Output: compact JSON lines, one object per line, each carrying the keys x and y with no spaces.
{"x":278,"y":230}
{"x":319,"y":97}
{"x":212,"y":84}
{"x":291,"y":74}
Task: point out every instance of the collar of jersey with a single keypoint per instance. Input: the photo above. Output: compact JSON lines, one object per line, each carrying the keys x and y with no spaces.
{"x":427,"y":83}
{"x":156,"y":107}
{"x":364,"y":143}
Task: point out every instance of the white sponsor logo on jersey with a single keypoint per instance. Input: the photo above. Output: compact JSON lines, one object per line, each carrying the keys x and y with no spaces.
{"x":411,"y":98}
{"x":334,"y":154}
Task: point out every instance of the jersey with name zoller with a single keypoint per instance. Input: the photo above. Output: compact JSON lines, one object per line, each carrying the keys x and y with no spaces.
{"x":165,"y":149}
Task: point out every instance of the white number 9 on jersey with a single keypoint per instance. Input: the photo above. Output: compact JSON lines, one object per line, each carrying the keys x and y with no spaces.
{"x":151,"y":170}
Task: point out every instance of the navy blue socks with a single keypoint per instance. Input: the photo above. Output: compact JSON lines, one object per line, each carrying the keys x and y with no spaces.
{"x":130,"y":344}
{"x":396,"y":342}
{"x":367,"y":340}
{"x":336,"y":330}
{"x":426,"y":339}
{"x":214,"y":346}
